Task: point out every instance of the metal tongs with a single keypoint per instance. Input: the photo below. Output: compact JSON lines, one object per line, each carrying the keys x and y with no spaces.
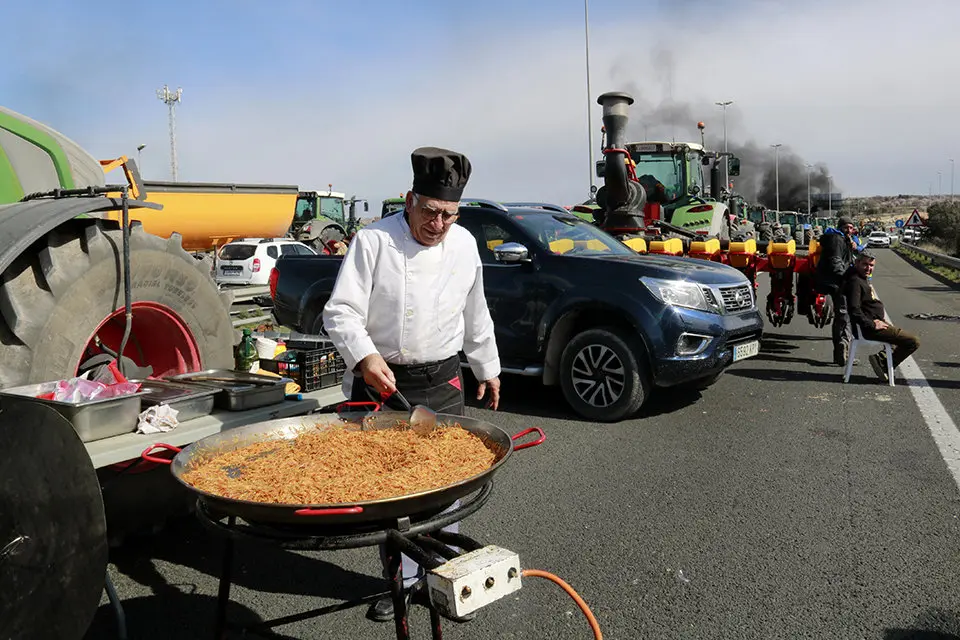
{"x":422,"y":420}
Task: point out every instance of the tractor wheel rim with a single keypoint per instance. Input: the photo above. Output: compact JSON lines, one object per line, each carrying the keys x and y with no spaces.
{"x":159,"y":338}
{"x":598,"y":375}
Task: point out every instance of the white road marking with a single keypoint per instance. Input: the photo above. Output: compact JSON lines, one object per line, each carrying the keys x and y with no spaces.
{"x":942,"y":427}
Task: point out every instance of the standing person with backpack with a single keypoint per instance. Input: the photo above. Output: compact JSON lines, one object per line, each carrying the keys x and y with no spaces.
{"x":836,"y":259}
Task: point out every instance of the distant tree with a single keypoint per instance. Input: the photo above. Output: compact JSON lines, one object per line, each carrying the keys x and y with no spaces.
{"x":943,"y":220}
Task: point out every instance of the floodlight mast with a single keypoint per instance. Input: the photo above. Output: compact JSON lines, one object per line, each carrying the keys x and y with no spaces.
{"x":171,"y":98}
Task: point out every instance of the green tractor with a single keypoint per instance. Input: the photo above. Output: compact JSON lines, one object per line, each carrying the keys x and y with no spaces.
{"x":323,"y":217}
{"x":796,"y":226}
{"x":672,"y":173}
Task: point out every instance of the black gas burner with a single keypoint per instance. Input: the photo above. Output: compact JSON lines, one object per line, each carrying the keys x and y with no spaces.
{"x":418,"y":536}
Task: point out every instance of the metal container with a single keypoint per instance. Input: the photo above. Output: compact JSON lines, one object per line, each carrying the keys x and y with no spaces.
{"x":238,"y":391}
{"x":190,"y":401}
{"x":92,"y":420}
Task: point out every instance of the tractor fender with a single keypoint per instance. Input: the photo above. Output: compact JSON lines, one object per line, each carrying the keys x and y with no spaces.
{"x":24,"y":223}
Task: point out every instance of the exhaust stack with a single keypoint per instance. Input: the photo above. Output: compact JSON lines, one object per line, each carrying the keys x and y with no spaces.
{"x":622,"y":199}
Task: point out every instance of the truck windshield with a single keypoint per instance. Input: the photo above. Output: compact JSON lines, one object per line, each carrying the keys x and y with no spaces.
{"x":561,"y":234}
{"x":667,"y":168}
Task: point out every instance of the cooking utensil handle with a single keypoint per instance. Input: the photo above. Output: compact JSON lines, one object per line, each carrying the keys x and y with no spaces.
{"x":539,"y":440}
{"x":336,"y":511}
{"x":149,"y":458}
{"x":399,"y":396}
{"x":375,"y":405}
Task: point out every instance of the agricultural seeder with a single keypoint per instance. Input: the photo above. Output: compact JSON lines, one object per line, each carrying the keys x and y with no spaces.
{"x":791,"y":273}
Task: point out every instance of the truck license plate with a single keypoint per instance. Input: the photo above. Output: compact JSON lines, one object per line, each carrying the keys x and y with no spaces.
{"x":746,"y":350}
{"x":229,"y":268}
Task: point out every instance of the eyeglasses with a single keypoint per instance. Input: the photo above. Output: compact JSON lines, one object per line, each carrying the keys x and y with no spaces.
{"x":432,"y":212}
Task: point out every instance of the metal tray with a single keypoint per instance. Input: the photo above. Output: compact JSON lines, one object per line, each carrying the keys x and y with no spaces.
{"x":238,"y":391}
{"x":93,"y":420}
{"x":190,"y":401}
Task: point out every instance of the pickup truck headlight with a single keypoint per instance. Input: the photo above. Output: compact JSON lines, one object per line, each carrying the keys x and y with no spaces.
{"x":680,"y":293}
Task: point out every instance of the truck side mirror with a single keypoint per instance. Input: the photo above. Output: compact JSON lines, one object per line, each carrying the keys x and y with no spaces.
{"x":511,"y":252}
{"x":734,"y":166}
{"x":705,"y":161}
{"x":601,"y":168}
{"x":366,"y":206}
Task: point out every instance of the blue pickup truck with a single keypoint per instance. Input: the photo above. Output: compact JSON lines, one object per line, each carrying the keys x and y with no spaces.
{"x":574,"y":306}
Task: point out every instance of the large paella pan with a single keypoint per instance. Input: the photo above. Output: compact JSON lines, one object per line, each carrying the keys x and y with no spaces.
{"x":361,"y":513}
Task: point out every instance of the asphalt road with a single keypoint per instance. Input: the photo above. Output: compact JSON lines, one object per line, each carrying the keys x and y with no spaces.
{"x":780,"y":503}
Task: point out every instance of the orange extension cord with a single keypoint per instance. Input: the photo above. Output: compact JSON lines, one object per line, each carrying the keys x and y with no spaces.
{"x":536,"y":573}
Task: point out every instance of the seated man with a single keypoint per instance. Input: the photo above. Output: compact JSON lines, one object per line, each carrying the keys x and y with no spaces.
{"x":866,"y":310}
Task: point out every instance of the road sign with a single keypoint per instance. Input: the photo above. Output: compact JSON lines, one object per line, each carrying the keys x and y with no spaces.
{"x":915,"y":220}
{"x":899,"y":223}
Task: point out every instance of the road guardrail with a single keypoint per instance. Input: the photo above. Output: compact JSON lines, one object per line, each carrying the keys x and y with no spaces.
{"x":937,"y":258}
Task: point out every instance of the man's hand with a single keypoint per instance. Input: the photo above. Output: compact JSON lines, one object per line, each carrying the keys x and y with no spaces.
{"x":377,"y":374}
{"x":494,"y":385}
{"x":880,"y":325}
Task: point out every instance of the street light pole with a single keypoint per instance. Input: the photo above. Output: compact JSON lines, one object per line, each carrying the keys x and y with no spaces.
{"x":140,"y":148}
{"x":939,"y":184}
{"x":586,"y":29}
{"x":777,"y":148}
{"x":951,"y":179}
{"x":809,"y":166}
{"x":726,"y":171}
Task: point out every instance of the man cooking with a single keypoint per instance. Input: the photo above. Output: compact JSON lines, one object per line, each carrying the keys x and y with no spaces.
{"x":408,"y":298}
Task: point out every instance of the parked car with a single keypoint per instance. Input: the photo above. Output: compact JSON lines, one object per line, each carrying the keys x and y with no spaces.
{"x":573,"y":306}
{"x":878,"y":239}
{"x":249,"y":261}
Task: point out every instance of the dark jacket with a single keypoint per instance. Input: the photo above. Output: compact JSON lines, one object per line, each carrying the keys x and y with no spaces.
{"x":836,"y":257}
{"x":863,"y":305}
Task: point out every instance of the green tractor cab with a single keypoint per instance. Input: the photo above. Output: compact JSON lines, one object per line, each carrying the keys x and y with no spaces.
{"x":391,"y":206}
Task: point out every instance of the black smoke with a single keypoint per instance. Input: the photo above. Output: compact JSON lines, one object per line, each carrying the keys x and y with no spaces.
{"x":671,"y":120}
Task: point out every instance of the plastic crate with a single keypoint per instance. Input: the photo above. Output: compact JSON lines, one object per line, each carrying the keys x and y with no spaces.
{"x":313,"y":369}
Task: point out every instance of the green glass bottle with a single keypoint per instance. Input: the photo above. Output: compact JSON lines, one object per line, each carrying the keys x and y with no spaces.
{"x":246,"y":353}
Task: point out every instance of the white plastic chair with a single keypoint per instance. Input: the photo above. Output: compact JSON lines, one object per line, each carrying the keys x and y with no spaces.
{"x":860,"y":341}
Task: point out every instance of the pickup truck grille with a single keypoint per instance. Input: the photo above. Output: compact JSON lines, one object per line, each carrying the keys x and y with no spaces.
{"x":739,"y":298}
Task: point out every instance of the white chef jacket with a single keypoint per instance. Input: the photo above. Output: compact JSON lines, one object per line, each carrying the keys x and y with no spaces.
{"x":410,"y":303}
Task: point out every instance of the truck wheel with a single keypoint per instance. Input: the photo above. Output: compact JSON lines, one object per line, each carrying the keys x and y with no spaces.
{"x":66,"y":291}
{"x":603,"y":375}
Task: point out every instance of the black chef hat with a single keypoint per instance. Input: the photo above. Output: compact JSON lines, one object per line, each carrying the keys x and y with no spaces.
{"x":439,"y":173}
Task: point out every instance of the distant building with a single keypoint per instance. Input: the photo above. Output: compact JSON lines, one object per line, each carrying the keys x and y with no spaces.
{"x":824,"y":201}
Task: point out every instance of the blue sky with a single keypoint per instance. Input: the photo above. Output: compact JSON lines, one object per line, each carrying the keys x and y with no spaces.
{"x":311,"y":93}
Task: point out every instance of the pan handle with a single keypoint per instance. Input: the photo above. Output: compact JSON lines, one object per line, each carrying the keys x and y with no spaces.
{"x":149,"y":458}
{"x":376,"y":405}
{"x":337,"y":511}
{"x":539,"y":440}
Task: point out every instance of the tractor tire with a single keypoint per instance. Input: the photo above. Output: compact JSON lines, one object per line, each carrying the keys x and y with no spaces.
{"x":798,"y":238}
{"x":55,"y":295}
{"x":618,"y":359}
{"x":331,"y":233}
